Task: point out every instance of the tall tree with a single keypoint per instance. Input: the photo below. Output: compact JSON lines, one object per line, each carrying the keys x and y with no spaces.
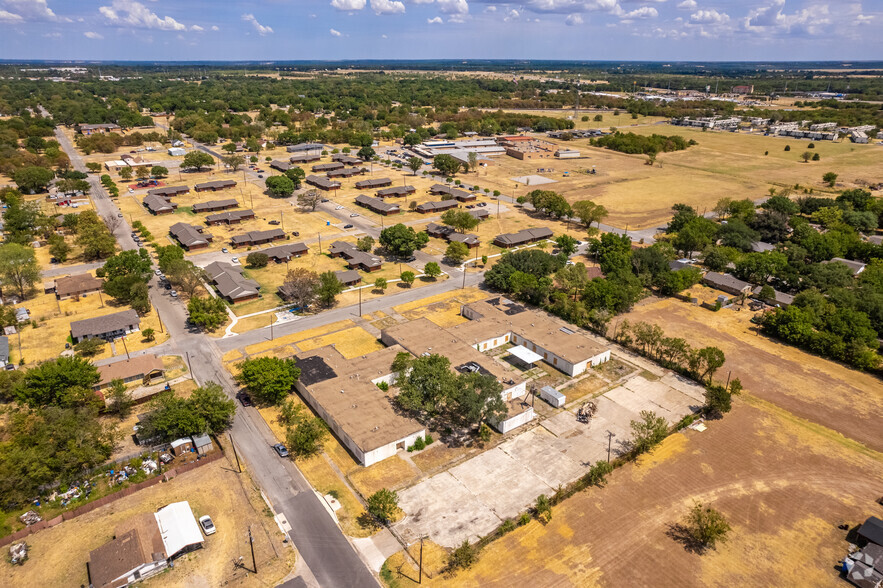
{"x":268,"y":379}
{"x":18,"y":267}
{"x":402,"y":240}
{"x":299,"y":287}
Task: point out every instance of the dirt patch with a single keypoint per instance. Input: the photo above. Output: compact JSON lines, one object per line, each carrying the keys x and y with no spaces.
{"x":768,"y":473}
{"x":813,"y":388}
{"x":390,"y":473}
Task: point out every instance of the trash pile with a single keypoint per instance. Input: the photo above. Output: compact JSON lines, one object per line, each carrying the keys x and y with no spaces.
{"x":30,"y":518}
{"x":18,"y":553}
{"x":149,"y":466}
{"x":166,"y":458}
{"x":118,"y":477}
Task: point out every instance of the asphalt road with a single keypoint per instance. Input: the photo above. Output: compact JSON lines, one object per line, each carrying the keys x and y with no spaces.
{"x":328,"y":556}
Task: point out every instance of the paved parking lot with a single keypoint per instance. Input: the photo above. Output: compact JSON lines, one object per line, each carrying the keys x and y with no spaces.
{"x":474,"y":497}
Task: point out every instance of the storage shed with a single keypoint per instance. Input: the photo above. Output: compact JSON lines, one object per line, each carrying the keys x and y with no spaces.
{"x":182,"y":446}
{"x":553,"y":396}
{"x":202,"y":444}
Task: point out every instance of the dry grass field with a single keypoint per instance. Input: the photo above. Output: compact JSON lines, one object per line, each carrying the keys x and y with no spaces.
{"x":770,"y":474}
{"x":813,"y":388}
{"x":58,"y":555}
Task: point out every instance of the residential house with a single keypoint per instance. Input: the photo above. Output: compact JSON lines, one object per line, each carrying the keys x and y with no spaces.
{"x":107,"y":327}
{"x":231,"y":217}
{"x":213,"y":205}
{"x":345,"y":173}
{"x":327,"y":167}
{"x":346,"y":159}
{"x":157,"y":204}
{"x":304,"y":158}
{"x":356,"y":259}
{"x":169,"y":191}
{"x":323,"y":183}
{"x":282,"y":166}
{"x":252,"y":238}
{"x":436,"y":207}
{"x":523,"y":237}
{"x":373,"y":183}
{"x":306,"y":148}
{"x":452,"y":236}
{"x":214,"y":186}
{"x":727,"y":283}
{"x":101,"y":128}
{"x":4,"y":350}
{"x":141,"y":368}
{"x":455,"y":193}
{"x":190,"y":236}
{"x":377,"y":205}
{"x":396,"y":191}
{"x":230,"y":282}
{"x":76,"y":286}
{"x":856,"y":267}
{"x":286,"y":252}
{"x":479,"y":213}
{"x":177,"y":152}
{"x":202,"y":444}
{"x":348,"y":277}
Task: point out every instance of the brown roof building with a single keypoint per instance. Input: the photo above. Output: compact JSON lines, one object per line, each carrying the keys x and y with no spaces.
{"x":377,"y":205}
{"x":169,"y":191}
{"x":523,"y":237}
{"x":356,"y":259}
{"x":344,"y":393}
{"x":159,"y":205}
{"x":436,"y":207}
{"x":213,"y":205}
{"x":76,"y":285}
{"x":327,"y":167}
{"x":214,"y":186}
{"x":190,"y":236}
{"x":323,"y":183}
{"x":252,"y":238}
{"x":141,"y":368}
{"x":230,"y":282}
{"x":345,"y":173}
{"x":455,"y":193}
{"x":373,"y":183}
{"x":286,"y":252}
{"x":450,"y":235}
{"x":348,"y":277}
{"x":396,"y":191}
{"x":232,"y":217}
{"x":346,"y":159}
{"x":305,"y":158}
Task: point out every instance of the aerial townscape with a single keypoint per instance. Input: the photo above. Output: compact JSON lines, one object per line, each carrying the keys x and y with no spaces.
{"x":388,"y":293}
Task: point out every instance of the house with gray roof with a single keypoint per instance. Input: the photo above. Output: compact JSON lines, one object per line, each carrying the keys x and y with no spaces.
{"x":215,"y":185}
{"x":169,"y":191}
{"x":373,"y":183}
{"x":107,"y":327}
{"x":727,"y":283}
{"x":377,"y":205}
{"x":356,"y":258}
{"x":231,"y":217}
{"x":436,"y":207}
{"x":213,"y":205}
{"x":157,"y":204}
{"x":323,"y":183}
{"x":230,"y":282}
{"x":252,"y":238}
{"x":396,"y":191}
{"x":315,"y":148}
{"x":523,"y":237}
{"x":856,"y":267}
{"x":190,"y":236}
{"x":286,"y":252}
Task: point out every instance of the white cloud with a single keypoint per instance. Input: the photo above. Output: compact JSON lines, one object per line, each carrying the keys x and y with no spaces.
{"x":32,"y":9}
{"x":436,"y":20}
{"x":335,"y":33}
{"x":491,"y":8}
{"x":91,"y":35}
{"x":710,"y":17}
{"x":135,"y":14}
{"x":688,"y":5}
{"x":261,"y":29}
{"x":215,"y":28}
{"x":55,"y":35}
{"x":642,"y":12}
{"x":387,"y":7}
{"x":197,"y":28}
{"x":768,"y":16}
{"x":6,"y":16}
{"x":770,"y":19}
{"x":863,"y":19}
{"x":460,"y":7}
{"x":573,"y":20}
{"x":384,"y":37}
{"x":511,"y":15}
{"x":348,"y":4}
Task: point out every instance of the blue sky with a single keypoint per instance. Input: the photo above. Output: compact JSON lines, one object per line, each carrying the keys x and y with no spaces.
{"x":698,"y":30}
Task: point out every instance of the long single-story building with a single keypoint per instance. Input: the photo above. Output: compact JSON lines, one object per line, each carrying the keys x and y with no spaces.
{"x":305,"y":158}
{"x":396,"y":191}
{"x":213,"y":205}
{"x":231,"y":217}
{"x":230,"y":282}
{"x":436,"y":207}
{"x":346,"y":159}
{"x":308,"y":148}
{"x":252,"y":238}
{"x":327,"y":167}
{"x":455,"y":193}
{"x":76,"y":286}
{"x":523,"y":237}
{"x":282,"y":166}
{"x":169,"y":191}
{"x":856,"y":267}
{"x":727,"y":283}
{"x":356,"y":258}
{"x":144,"y":546}
{"x":450,"y":235}
{"x":479,"y":213}
{"x":498,"y":321}
{"x":157,"y":204}
{"x":348,"y":277}
{"x":373,"y":183}
{"x":214,"y":186}
{"x":141,"y":368}
{"x":344,"y":393}
{"x":190,"y":236}
{"x":345,"y":173}
{"x":107,"y":327}
{"x":323,"y":183}
{"x":100,"y":128}
{"x":377,"y":205}
{"x":286,"y":252}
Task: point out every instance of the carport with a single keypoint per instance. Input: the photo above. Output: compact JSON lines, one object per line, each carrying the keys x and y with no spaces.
{"x":525,"y":356}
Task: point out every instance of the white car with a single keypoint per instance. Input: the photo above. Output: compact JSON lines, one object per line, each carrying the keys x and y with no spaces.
{"x":234,"y":259}
{"x":208,"y":527}
{"x":338,"y":207}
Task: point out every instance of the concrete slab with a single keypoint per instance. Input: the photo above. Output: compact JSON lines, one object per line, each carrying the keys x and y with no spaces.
{"x":442,"y":508}
{"x":369,"y":553}
{"x":537,"y":451}
{"x":509,"y":490}
{"x":562,"y":424}
{"x":688,"y":387}
{"x":533,"y":180}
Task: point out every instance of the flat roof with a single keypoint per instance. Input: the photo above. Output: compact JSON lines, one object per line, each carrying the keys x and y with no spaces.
{"x":344,"y":389}
{"x":525,"y":354}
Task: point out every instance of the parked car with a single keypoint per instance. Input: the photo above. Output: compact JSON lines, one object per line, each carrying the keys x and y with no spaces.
{"x":295,"y":233}
{"x":325,"y":200}
{"x":245,"y":399}
{"x":120,"y":215}
{"x":173,"y":294}
{"x":261,"y":176}
{"x":338,"y":207}
{"x":281,"y":450}
{"x":208,"y":527}
{"x":157,"y":272}
{"x":353,"y":215}
{"x":224,"y":250}
{"x":347,"y":226}
{"x":167,"y":286}
{"x":274,"y":222}
{"x":234,"y":259}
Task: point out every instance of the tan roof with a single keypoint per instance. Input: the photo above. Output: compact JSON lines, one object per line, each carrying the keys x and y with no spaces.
{"x":77,"y":283}
{"x":424,"y":336}
{"x":343,"y":388}
{"x":137,"y":542}
{"x":108,"y":323}
{"x":140,"y":365}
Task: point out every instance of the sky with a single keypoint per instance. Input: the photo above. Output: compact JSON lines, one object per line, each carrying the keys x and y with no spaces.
{"x":584,"y":30}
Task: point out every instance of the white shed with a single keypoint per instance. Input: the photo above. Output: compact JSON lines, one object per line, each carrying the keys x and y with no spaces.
{"x":552,"y":396}
{"x":177,"y":152}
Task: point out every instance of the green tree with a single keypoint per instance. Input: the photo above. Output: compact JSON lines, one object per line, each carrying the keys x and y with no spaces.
{"x":296,"y":175}
{"x":647,"y":432}
{"x":197,"y":160}
{"x":329,"y":287}
{"x":305,"y":434}
{"x":432,"y":270}
{"x":366,"y":153}
{"x":705,"y":362}
{"x":446,"y":164}
{"x":65,"y":382}
{"x":380,"y":284}
{"x":257,"y":259}
{"x":234,"y":162}
{"x":365,"y":243}
{"x":464,"y":557}
{"x":550,"y":203}
{"x":186,"y":276}
{"x":58,"y":247}
{"x":211,"y":405}
{"x":90,"y":347}
{"x":18,"y":267}
{"x":280,"y":186}
{"x":695,"y":235}
{"x":456,"y":251}
{"x":477,"y":399}
{"x":588,"y":212}
{"x":807,"y":155}
{"x":33,"y":179}
{"x":383,"y":505}
{"x":167,"y":255}
{"x":543,"y":509}
{"x":149,"y":334}
{"x":830,"y":178}
{"x":408,"y":277}
{"x":706,"y":527}
{"x":299,"y":287}
{"x":142,"y":172}
{"x":126,"y":173}
{"x":402,"y":240}
{"x":567,"y":244}
{"x":268,"y":379}
{"x":426,"y":385}
{"x":414,"y":164}
{"x":719,"y":399}
{"x":472,"y":158}
{"x":93,"y":236}
{"x":120,"y":402}
{"x":208,"y":313}
{"x":158,"y":171}
{"x":461,"y":220}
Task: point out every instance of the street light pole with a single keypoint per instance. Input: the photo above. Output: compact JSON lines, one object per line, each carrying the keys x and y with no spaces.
{"x":610,"y":436}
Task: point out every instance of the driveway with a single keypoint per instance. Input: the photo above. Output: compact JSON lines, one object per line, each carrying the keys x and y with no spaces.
{"x":465,"y":502}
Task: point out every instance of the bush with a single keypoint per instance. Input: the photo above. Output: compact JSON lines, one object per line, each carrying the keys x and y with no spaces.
{"x":257,"y":259}
{"x":383,"y":505}
{"x":597,"y":475}
{"x":383,"y":386}
{"x":428,"y":439}
{"x":462,"y":558}
{"x":706,"y":526}
{"x":508,"y":526}
{"x":543,"y":509}
{"x":787,"y":147}
{"x":523,"y":519}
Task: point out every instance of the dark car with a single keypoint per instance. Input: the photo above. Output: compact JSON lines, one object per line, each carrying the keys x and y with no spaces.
{"x":274,"y":222}
{"x":347,"y":226}
{"x":245,"y":399}
{"x":281,"y":450}
{"x":295,"y":233}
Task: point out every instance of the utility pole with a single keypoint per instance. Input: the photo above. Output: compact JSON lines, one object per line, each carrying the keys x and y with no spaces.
{"x":464,"y":277}
{"x":420,"y":577}
{"x":126,"y":347}
{"x":271,"y":327}
{"x":254,"y":563}
{"x":320,"y":241}
{"x":159,"y":318}
{"x":610,"y":436}
{"x":189,"y":365}
{"x":238,"y":466}
{"x":360,"y":301}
